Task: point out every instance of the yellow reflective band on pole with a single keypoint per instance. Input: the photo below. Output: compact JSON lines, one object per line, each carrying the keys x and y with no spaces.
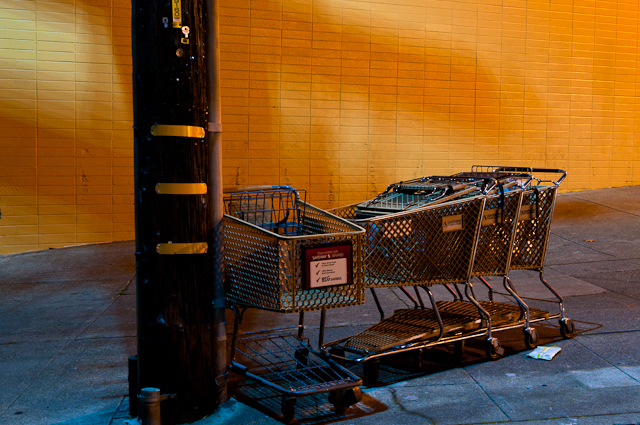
{"x":171,"y":248}
{"x":181,"y":188}
{"x":177,"y":131}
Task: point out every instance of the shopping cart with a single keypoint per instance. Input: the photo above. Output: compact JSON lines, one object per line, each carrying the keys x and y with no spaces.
{"x":504,"y":189}
{"x":509,"y":231}
{"x":493,"y":258}
{"x":415,"y":193}
{"x":419,"y":247}
{"x":284,"y":255}
{"x":532,"y":236}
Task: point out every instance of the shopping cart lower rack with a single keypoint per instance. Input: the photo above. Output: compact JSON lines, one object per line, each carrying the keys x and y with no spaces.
{"x":285,"y":361}
{"x":284,"y":255}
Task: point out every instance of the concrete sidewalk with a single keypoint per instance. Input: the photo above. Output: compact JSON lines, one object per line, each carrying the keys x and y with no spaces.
{"x":67,"y":327}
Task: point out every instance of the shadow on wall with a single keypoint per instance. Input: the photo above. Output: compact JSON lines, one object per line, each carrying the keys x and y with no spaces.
{"x":363,"y":110}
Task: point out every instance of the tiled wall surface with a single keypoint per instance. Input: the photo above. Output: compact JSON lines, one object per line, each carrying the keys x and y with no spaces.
{"x":344,"y":96}
{"x":339,"y":97}
{"x":66,"y":150}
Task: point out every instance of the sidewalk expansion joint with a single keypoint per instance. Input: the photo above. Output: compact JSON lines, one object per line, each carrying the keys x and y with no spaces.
{"x":491,"y":398}
{"x":605,"y":360}
{"x":583,"y":245}
{"x":398,"y":403}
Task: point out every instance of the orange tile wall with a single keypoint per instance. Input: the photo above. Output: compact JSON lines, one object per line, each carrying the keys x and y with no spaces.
{"x":66,"y":150}
{"x":345,"y":97}
{"x":339,"y":97}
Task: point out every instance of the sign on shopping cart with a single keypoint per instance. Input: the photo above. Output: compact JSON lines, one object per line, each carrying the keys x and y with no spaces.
{"x":328,"y":265}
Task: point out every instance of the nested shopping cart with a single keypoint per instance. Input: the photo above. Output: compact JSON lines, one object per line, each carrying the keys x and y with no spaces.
{"x":419,"y":247}
{"x":493,"y":258}
{"x":501,"y":218}
{"x":514,"y":231}
{"x":284,"y":255}
{"x":532,"y":235}
{"x":423,"y":191}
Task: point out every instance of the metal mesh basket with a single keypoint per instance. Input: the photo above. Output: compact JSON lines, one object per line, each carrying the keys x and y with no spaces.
{"x":275,"y":209}
{"x":532,"y":233}
{"x":421,"y":192}
{"x":497,"y":233}
{"x":265,"y":269}
{"x":521,"y":176}
{"x":426,"y":246}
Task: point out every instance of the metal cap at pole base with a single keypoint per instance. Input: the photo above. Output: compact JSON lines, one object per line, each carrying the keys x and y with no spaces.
{"x":150,"y":399}
{"x":150,"y":406}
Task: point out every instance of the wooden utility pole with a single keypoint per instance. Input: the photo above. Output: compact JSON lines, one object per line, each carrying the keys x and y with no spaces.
{"x":180,"y":307}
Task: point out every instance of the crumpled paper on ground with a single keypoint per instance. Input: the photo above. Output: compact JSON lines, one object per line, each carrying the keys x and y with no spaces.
{"x":544,"y":352}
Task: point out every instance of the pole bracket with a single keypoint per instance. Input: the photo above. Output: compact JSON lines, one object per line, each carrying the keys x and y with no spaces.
{"x":214,"y":127}
{"x":219,"y":303}
{"x":222,"y":379}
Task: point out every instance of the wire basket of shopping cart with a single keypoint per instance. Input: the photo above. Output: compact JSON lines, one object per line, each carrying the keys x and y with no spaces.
{"x":267,"y":235}
{"x":419,"y":247}
{"x":532,"y":235}
{"x":284,"y":255}
{"x":493,"y":258}
{"x":420,"y":192}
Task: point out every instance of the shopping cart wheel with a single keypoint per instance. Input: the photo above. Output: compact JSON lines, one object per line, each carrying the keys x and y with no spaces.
{"x":343,"y":399}
{"x":531,"y":338}
{"x":371,"y":371}
{"x":302,"y":357}
{"x":493,"y":349}
{"x":566,"y":328}
{"x":288,"y":408}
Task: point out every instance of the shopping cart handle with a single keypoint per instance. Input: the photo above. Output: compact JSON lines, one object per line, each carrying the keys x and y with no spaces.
{"x":536,"y":170}
{"x":235,"y":189}
{"x":551,"y":170}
